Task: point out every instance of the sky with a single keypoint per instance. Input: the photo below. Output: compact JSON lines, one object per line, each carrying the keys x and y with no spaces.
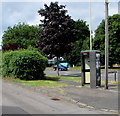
{"x":15,"y":11}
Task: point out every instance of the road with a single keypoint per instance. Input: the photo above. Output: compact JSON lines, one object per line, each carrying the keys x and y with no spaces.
{"x":77,"y":73}
{"x":19,"y":100}
{"x":50,"y":71}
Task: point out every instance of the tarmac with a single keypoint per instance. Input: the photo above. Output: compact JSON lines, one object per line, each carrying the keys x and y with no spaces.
{"x":98,"y":98}
{"x":84,"y":96}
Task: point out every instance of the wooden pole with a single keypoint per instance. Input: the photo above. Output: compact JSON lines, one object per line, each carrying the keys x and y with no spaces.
{"x":106,"y":45}
{"x":90,"y":27}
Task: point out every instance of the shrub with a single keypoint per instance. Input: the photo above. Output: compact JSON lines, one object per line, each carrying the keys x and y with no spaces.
{"x":24,"y":64}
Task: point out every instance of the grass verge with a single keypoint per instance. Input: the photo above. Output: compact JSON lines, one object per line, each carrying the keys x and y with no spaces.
{"x":37,"y":83}
{"x":50,"y":81}
{"x":75,"y":79}
{"x":111,"y":82}
{"x":76,"y":68}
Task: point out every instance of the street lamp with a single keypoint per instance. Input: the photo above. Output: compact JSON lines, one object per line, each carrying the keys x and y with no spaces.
{"x":106,"y":45}
{"x":90,"y":26}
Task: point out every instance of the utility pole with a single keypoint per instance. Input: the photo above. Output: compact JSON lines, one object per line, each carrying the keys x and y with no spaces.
{"x":106,"y":45}
{"x":119,"y":7}
{"x":90,"y":27}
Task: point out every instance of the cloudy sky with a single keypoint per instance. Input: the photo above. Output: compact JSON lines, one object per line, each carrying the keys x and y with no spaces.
{"x":13,"y":12}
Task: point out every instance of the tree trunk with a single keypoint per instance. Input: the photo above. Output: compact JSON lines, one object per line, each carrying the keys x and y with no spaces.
{"x":57,"y":66}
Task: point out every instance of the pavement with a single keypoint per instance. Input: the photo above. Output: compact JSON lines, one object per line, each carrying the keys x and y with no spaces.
{"x":17,"y":100}
{"x":106,"y":100}
{"x":99,"y":98}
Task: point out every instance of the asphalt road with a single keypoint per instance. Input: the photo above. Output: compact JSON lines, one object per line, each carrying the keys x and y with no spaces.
{"x":111,"y":76}
{"x":19,"y":100}
{"x":50,"y":71}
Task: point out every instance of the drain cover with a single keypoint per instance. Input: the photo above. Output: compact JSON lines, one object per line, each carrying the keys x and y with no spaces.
{"x":55,"y":99}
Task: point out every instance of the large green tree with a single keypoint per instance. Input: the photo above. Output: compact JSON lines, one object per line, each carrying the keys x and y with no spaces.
{"x":58,"y":30}
{"x":20,"y":36}
{"x":82,"y":43}
{"x":114,"y":39}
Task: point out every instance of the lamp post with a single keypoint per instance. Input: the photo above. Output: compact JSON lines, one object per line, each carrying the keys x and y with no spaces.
{"x":119,"y":7}
{"x":106,"y":45}
{"x":90,"y":26}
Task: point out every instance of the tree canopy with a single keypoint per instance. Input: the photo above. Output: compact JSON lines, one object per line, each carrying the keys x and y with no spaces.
{"x":20,"y":36}
{"x":82,"y":42}
{"x":114,"y":39}
{"x":58,"y":31}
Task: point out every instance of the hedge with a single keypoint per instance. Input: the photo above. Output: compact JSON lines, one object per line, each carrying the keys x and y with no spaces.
{"x":23,"y":64}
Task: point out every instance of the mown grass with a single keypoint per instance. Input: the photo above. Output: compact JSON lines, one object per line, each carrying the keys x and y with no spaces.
{"x":111,"y":82}
{"x":111,"y":68}
{"x":114,"y":83}
{"x":37,"y":83}
{"x":76,"y":68}
{"x":43,"y":83}
{"x":75,"y":79}
{"x":49,"y":81}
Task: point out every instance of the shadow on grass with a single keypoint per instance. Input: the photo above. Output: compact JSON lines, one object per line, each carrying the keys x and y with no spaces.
{"x":45,"y":77}
{"x":52,"y":78}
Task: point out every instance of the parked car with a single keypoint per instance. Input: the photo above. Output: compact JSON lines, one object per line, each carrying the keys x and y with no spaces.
{"x":61,"y":66}
{"x":53,"y":61}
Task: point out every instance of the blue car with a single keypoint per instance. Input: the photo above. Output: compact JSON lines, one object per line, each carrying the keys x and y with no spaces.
{"x":61,"y":66}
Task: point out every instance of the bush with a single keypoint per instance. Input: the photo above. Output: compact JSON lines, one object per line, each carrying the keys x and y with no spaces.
{"x":24,"y":64}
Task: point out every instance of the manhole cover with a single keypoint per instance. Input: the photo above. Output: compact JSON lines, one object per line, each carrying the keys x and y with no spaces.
{"x":55,"y":99}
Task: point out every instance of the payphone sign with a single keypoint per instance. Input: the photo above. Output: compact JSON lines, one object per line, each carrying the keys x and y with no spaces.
{"x":97,"y":61}
{"x":87,"y":63}
{"x":86,"y":60}
{"x":98,"y":78}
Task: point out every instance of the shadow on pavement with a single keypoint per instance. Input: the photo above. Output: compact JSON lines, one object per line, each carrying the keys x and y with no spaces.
{"x":12,"y":110}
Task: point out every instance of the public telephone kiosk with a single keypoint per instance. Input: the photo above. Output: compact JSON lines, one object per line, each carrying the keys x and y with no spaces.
{"x":90,"y":68}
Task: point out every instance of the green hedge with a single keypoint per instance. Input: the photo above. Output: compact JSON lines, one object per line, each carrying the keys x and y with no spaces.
{"x":24,"y":64}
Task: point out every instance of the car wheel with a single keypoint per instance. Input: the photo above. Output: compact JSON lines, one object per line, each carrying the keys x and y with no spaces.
{"x":66,"y":69}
